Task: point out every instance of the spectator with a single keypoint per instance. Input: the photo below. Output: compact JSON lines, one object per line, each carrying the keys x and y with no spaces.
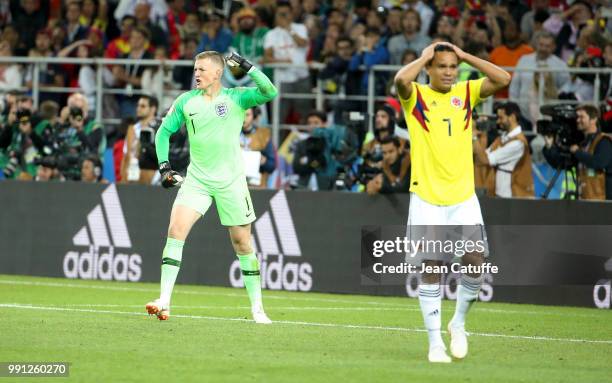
{"x":394,"y":21}
{"x":567,"y":25}
{"x":410,"y":38}
{"x":336,"y":78}
{"x":372,"y":51}
{"x":157,"y":13}
{"x":508,"y":157}
{"x":524,"y":85}
{"x":86,"y":73}
{"x":49,"y":74}
{"x":120,"y":46}
{"x":249,"y":41}
{"x":258,"y":139}
{"x":528,"y":20}
{"x":287,"y":42}
{"x":129,"y":76}
{"x":426,"y":14}
{"x":158,"y":80}
{"x":508,"y":54}
{"x":446,"y":26}
{"x":216,"y":36}
{"x":594,"y":155}
{"x":183,"y":75}
{"x":94,"y":14}
{"x":139,"y":159}
{"x":157,"y":35}
{"x":10,"y":74}
{"x":75,"y":31}
{"x":191,"y":27}
{"x":395,"y":176}
{"x":580,"y":86}
{"x":29,"y":16}
{"x":175,"y":20}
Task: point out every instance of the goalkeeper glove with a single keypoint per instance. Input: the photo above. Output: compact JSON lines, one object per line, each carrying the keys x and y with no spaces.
{"x":169,"y":177}
{"x":235,"y":60}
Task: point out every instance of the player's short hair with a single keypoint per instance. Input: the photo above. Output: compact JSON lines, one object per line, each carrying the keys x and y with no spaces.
{"x":590,"y":110}
{"x":441,"y":48}
{"x":510,"y":108}
{"x":390,"y":140}
{"x":213,"y":56}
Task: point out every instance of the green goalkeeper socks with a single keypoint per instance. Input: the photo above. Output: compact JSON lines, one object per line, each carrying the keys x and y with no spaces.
{"x":252,"y":280}
{"x":171,"y":263}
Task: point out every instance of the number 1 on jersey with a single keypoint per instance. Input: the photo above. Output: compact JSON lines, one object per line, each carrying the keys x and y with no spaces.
{"x":192,"y":126}
{"x":448,"y":121}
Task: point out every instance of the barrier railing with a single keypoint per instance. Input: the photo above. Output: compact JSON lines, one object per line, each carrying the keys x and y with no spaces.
{"x":318,"y":95}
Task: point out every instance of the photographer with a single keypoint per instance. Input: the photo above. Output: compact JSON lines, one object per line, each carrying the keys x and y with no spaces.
{"x":21,"y":145}
{"x":594,"y":155}
{"x":508,"y":157}
{"x":75,"y":115}
{"x":91,"y":169}
{"x":139,"y":162}
{"x":395,"y":176}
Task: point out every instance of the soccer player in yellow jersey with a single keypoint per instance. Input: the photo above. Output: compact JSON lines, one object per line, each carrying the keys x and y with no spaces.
{"x":439,"y":119}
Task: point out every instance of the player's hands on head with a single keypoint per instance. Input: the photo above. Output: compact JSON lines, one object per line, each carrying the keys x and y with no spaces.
{"x":235,"y":60}
{"x":169,"y":177}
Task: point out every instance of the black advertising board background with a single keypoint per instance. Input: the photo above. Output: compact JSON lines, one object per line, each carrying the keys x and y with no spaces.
{"x":39,"y":220}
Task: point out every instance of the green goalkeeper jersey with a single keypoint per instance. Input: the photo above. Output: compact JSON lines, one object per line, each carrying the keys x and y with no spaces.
{"x":214,"y":129}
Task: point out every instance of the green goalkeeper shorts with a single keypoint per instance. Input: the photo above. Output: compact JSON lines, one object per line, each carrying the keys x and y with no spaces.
{"x":233,"y":202}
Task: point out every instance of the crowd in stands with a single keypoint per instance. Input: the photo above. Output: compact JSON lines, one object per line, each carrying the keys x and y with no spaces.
{"x":59,"y":138}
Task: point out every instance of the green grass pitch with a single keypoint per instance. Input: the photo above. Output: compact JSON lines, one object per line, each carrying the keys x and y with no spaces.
{"x":102,"y":330}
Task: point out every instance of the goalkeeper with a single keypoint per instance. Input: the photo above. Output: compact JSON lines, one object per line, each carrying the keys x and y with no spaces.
{"x":213,"y":116}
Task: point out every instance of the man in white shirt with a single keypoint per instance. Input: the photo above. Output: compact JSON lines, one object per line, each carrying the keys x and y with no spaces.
{"x":508,"y":156}
{"x":524,"y":86}
{"x":288,"y":43}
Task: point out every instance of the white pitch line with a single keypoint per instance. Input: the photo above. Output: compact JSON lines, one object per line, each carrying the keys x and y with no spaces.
{"x":313,"y":324}
{"x":179,"y":290}
{"x":212,"y":307}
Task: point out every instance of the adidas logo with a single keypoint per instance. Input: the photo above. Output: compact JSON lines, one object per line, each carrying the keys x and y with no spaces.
{"x":278,"y":251}
{"x":434,"y":313}
{"x":100,"y":260}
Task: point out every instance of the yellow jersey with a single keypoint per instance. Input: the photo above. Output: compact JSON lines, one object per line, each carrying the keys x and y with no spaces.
{"x":440,"y":127}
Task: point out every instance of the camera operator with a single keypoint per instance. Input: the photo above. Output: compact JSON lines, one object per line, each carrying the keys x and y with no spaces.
{"x":508,"y":157}
{"x":384,"y":126}
{"x":594,"y":155}
{"x":322,"y":157}
{"x":139,"y":162}
{"x":21,"y":145}
{"x":395,"y":176}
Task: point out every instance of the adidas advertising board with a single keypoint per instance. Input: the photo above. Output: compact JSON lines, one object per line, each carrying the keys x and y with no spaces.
{"x":305,"y":241}
{"x":278,"y":249}
{"x":100,"y":255}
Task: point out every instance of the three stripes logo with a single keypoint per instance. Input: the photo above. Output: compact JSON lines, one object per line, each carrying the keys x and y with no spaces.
{"x":276,"y":243}
{"x":104,"y":232}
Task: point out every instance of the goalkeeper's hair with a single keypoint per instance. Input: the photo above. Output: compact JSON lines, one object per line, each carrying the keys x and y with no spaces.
{"x":213,"y":56}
